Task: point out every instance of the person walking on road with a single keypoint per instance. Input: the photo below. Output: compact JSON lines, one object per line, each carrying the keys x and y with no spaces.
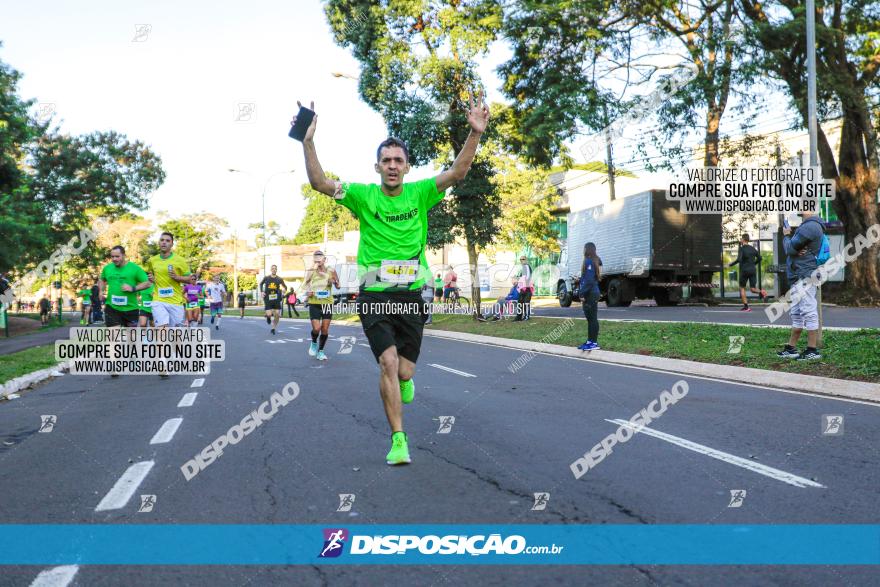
{"x":748,"y":258}
{"x":588,"y":291}
{"x":317,"y":284}
{"x":291,"y":303}
{"x":392,"y":266}
{"x":802,"y":250}
{"x":45,"y":307}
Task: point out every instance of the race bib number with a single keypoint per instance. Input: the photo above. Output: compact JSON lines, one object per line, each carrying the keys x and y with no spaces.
{"x":166,"y":292}
{"x":192,"y":305}
{"x":322,"y":295}
{"x":400,"y":272}
{"x":273,"y":297}
{"x":148,"y":304}
{"x":119,"y":300}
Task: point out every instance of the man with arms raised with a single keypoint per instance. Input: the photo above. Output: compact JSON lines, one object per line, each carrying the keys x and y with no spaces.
{"x":392,"y":267}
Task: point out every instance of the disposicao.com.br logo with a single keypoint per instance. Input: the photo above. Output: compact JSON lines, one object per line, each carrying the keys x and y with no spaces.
{"x":402,"y":544}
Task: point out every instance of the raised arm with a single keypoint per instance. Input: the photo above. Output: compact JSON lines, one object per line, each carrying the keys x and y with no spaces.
{"x":317,"y":179}
{"x":478,"y":118}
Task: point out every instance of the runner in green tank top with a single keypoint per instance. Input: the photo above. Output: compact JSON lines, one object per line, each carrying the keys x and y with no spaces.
{"x":392,"y":266}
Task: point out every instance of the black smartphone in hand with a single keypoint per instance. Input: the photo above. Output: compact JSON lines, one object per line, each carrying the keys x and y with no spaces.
{"x":303,"y":121}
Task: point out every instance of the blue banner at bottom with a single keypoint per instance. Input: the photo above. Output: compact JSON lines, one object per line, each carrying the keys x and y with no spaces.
{"x":489,"y":544}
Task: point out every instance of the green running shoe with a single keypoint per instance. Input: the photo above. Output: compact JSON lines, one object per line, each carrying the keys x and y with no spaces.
{"x":399,"y":453}
{"x":407,"y":391}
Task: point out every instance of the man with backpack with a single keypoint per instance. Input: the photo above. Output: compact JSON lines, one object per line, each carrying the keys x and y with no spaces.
{"x":805,"y":250}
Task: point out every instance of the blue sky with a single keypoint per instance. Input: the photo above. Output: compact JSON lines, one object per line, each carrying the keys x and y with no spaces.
{"x":178,"y":87}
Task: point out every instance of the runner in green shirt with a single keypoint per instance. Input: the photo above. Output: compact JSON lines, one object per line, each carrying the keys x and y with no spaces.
{"x":391,"y":257}
{"x":438,"y":287}
{"x":145,"y":311}
{"x":122,"y":280}
{"x":86,"y":295}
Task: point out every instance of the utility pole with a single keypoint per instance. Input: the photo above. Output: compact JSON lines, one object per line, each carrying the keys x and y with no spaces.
{"x":234,"y":267}
{"x":609,"y":160}
{"x":812,"y":122}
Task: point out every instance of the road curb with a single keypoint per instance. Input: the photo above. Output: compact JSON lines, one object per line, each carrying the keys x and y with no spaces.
{"x":25,"y":381}
{"x":826,"y":386}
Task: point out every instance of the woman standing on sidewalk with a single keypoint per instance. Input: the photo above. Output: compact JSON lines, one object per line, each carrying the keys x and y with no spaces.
{"x":588,"y":291}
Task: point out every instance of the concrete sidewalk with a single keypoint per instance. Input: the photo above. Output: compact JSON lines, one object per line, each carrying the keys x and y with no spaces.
{"x":839,"y":388}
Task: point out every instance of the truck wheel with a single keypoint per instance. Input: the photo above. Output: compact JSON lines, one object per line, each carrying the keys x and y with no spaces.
{"x":563,"y":295}
{"x":615,"y":296}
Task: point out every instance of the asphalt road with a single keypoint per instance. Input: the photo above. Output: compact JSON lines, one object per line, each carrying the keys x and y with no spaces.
{"x":513,"y":435}
{"x":833,"y":316}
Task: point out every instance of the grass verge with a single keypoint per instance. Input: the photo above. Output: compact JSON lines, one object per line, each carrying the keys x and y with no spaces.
{"x":26,"y":361}
{"x":845,"y":355}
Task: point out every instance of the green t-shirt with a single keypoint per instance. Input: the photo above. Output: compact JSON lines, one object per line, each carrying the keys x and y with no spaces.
{"x":86,"y":295}
{"x":131,"y":274}
{"x":438,"y":283}
{"x":146,"y":300}
{"x":394,"y":231}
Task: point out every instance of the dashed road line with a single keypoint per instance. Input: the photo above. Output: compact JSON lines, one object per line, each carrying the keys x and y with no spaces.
{"x":187,"y":400}
{"x":166,"y":432}
{"x":198,"y":382}
{"x":122,"y":491}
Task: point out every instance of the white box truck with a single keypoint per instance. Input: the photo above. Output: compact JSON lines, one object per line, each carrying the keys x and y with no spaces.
{"x":649,"y":249}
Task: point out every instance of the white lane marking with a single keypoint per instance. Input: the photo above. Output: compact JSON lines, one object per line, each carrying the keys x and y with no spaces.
{"x":362,"y":344}
{"x":187,"y":400}
{"x":198,"y":382}
{"x":166,"y":432}
{"x":451,"y":370}
{"x":122,"y":491}
{"x":777,"y":474}
{"x":56,"y":576}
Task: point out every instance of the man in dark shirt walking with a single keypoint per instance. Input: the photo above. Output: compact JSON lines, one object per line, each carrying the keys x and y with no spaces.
{"x":748,"y":259}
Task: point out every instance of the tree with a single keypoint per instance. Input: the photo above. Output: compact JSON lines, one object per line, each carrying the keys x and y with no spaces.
{"x":320,"y":211}
{"x":273,"y":230}
{"x":102,"y":172}
{"x":23,"y":226}
{"x":848,"y":69}
{"x":418,"y":64}
{"x":567,"y":55}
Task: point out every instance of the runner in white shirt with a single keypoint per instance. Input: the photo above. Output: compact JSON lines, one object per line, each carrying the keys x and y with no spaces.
{"x":216,"y":293}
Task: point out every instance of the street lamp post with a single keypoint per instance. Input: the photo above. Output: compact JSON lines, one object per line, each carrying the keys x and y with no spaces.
{"x":263,"y":198}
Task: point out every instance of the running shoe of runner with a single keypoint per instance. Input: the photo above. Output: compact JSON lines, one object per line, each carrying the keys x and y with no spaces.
{"x":273,"y":288}
{"x":168,"y":272}
{"x":121,"y":279}
{"x":216,"y":293}
{"x":392,"y":266}
{"x":317,"y":284}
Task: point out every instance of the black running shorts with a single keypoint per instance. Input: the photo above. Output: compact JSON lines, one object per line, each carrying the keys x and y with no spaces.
{"x":114,"y":317}
{"x":393,"y":319}
{"x":746,"y":277}
{"x":320,"y":312}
